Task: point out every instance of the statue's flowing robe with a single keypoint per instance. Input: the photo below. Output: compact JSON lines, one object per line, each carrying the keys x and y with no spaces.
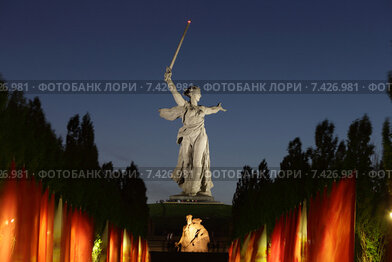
{"x":188,"y":234}
{"x":202,"y":239}
{"x":192,"y":129}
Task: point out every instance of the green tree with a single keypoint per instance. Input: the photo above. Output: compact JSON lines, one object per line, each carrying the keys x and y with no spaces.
{"x":296,"y":158}
{"x":370,"y":221}
{"x":72,"y":151}
{"x":26,"y":136}
{"x":340,"y":156}
{"x":243,"y":200}
{"x":359,"y":148}
{"x":295,"y":188}
{"x":89,"y":150}
{"x":387,"y":150}
{"x":326,"y":157}
{"x":133,"y":193}
{"x":264,"y":174}
{"x":323,"y":156}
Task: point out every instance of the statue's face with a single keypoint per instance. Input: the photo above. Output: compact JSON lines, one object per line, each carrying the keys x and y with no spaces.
{"x":196,"y":96}
{"x":196,"y":220}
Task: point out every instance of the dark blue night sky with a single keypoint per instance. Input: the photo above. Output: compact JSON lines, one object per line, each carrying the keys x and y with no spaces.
{"x":284,"y":40}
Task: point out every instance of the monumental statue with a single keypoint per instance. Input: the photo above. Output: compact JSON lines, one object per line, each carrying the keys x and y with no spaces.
{"x":192,"y":172}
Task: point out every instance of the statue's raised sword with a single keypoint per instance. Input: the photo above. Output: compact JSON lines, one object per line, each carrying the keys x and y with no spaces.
{"x":179,"y":45}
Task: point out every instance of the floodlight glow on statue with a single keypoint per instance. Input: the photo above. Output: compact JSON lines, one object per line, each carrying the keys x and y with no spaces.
{"x":192,"y":172}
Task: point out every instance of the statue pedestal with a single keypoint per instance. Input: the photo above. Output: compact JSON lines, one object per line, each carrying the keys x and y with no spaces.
{"x":192,"y":199}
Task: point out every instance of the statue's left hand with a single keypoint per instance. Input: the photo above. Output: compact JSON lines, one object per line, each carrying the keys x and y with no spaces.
{"x":168,"y":74}
{"x":221,"y":108}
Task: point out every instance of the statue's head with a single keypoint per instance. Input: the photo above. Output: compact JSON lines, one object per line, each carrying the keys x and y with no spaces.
{"x":189,"y":219}
{"x":193,"y":91}
{"x":197,"y":220}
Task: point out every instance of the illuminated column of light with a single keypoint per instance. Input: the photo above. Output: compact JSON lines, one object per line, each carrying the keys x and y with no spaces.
{"x":133,"y":248}
{"x":8,"y":213}
{"x":58,"y":222}
{"x":45,"y":240}
{"x":139,"y":250}
{"x":105,"y":241}
{"x":275,"y":253}
{"x":113,"y":247}
{"x":146,"y":253}
{"x":51,"y":212}
{"x":260,"y":252}
{"x":81,"y":237}
{"x":66,"y":233}
{"x":234,"y":255}
{"x":331,"y":224}
{"x":126,"y":247}
{"x":73,"y":236}
{"x":247,"y":248}
{"x":43,"y":228}
{"x":27,"y":229}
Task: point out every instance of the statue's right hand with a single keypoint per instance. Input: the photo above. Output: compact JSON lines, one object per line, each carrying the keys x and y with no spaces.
{"x":168,"y":74}
{"x":221,"y":108}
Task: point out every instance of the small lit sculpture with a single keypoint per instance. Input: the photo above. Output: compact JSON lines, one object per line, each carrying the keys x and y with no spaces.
{"x":194,"y":237}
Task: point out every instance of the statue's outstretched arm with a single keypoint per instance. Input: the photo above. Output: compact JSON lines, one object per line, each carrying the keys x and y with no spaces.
{"x":172,"y":87}
{"x":213,"y":109}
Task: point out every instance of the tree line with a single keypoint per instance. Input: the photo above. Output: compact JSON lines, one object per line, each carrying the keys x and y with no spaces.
{"x":261,"y":197}
{"x":27,"y":138}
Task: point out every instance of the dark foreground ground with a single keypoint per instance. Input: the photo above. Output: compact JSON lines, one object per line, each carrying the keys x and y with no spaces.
{"x":188,"y":257}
